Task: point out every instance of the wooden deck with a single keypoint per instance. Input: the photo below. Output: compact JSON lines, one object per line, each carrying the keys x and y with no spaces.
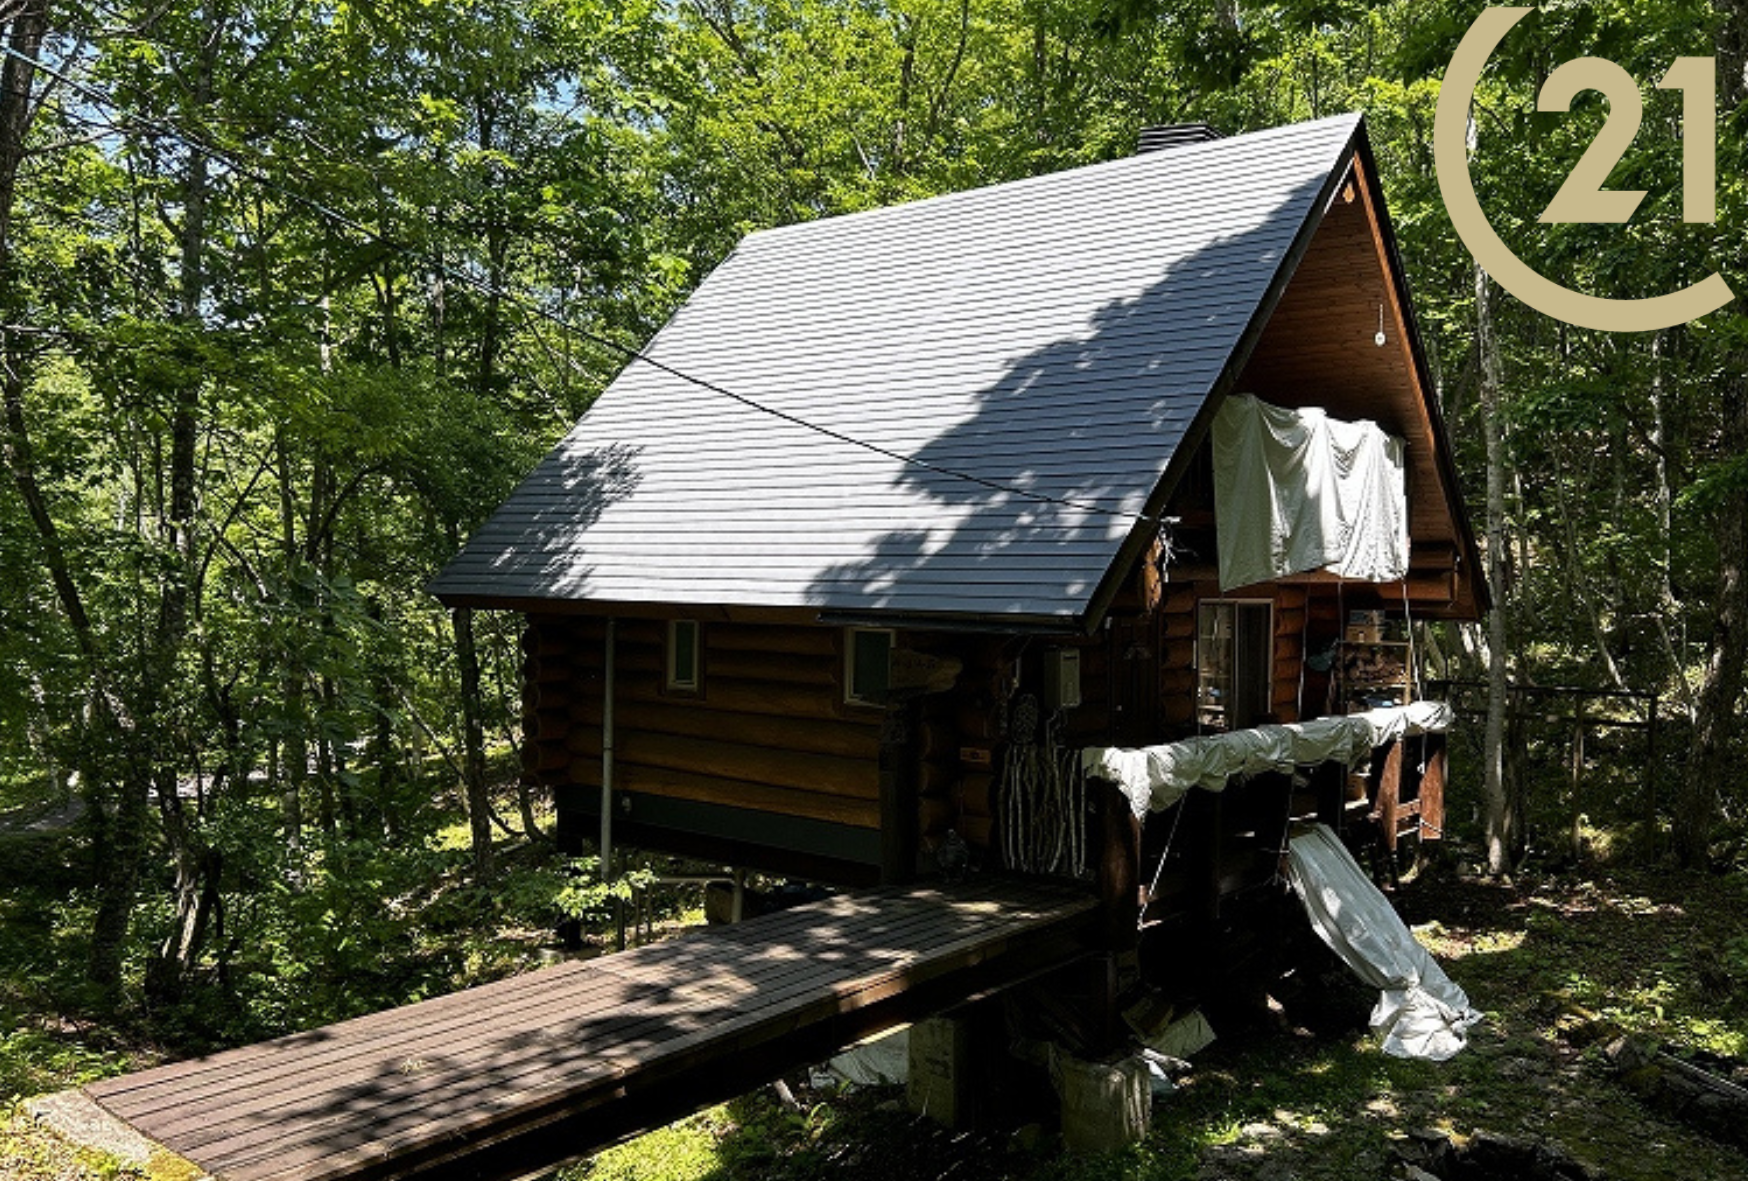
{"x":503,"y":1079}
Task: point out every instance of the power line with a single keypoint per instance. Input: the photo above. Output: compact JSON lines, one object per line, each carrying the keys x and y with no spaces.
{"x":170,"y":130}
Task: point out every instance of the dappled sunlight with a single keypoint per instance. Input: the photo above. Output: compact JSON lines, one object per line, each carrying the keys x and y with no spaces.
{"x":505,"y":1059}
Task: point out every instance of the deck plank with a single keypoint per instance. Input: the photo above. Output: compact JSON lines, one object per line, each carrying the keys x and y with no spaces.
{"x":649,"y":1010}
{"x":494,"y":1061}
{"x":364,"y":1047}
{"x":578,"y":1062}
{"x":380,"y":1035}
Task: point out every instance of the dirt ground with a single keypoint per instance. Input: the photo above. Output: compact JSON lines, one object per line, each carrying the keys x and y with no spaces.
{"x":1562,"y":966}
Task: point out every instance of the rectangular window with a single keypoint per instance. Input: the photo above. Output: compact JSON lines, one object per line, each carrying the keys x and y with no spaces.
{"x":683,"y":654}
{"x":1234,"y":663}
{"x":867,"y":665}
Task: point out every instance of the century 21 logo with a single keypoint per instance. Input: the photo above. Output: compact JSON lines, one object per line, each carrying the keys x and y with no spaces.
{"x":1582,"y":197}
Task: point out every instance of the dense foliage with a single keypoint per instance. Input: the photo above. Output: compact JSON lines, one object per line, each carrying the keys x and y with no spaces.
{"x":291,"y":294}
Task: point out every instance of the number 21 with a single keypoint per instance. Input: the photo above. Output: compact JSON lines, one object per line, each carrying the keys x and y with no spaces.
{"x":1582,"y":197}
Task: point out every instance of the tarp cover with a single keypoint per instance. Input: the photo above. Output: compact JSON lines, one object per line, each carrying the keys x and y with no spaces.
{"x":1297,"y":490}
{"x":1156,"y":777}
{"x":1421,"y":1013}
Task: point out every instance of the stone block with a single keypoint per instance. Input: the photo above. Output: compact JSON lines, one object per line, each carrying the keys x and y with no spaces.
{"x":939,"y":1085}
{"x":1106,"y":1106}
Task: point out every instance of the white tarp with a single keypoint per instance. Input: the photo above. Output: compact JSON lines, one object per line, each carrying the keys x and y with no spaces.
{"x":1156,"y":777}
{"x":878,"y":1062}
{"x":1421,"y":1013}
{"x":1297,"y":490}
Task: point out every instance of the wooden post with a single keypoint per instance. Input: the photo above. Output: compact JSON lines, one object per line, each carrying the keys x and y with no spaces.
{"x":1121,"y":884}
{"x":898,"y":797}
{"x":1119,"y":867}
{"x":1432,"y":789}
{"x":1330,"y":782}
{"x":1389,"y":796}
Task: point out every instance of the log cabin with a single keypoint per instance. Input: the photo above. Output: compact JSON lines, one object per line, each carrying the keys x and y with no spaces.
{"x":903,"y":508}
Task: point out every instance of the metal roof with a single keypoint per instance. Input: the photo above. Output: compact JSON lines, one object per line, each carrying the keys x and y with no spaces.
{"x":1162,"y":136}
{"x":1055,"y":336}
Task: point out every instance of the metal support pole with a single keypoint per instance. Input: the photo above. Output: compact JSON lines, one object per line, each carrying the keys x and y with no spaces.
{"x":606,"y":849}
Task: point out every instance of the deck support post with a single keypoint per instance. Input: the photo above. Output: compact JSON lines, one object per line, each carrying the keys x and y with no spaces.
{"x":898,"y":806}
{"x":1119,"y":867}
{"x":1123,"y":902}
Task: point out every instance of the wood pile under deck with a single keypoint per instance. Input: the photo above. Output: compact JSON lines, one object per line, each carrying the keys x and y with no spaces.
{"x":527,"y":1072}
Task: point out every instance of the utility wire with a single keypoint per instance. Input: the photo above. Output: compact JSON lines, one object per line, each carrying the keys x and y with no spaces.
{"x":172,"y":131}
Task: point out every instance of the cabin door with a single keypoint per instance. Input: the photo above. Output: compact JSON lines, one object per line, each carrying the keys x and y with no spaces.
{"x":1134,"y":660}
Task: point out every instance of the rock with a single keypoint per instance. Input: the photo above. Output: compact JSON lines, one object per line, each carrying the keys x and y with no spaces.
{"x":1427,"y":1149}
{"x":1629,"y":1053}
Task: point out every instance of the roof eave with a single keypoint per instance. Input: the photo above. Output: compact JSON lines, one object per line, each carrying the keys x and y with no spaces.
{"x":1143,"y":533}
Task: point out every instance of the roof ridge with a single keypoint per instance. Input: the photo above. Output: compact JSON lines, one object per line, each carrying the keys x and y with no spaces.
{"x":1173,"y":159}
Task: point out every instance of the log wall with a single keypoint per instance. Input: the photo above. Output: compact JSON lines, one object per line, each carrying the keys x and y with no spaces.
{"x":1177,"y":674}
{"x":767,"y":730}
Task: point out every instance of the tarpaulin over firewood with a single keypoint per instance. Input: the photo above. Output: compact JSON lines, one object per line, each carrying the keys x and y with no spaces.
{"x":1421,"y":1013}
{"x":1156,"y":777}
{"x":1297,"y":490}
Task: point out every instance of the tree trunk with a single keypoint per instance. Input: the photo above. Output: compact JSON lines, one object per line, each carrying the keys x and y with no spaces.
{"x":1499,"y":827}
{"x":155,"y":709}
{"x":195,"y":892}
{"x":107,"y":753}
{"x":473,"y":744}
{"x":1668,"y":608}
{"x":1709,"y":762}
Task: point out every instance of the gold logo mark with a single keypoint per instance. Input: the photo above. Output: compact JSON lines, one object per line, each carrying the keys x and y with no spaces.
{"x":1581,"y":198}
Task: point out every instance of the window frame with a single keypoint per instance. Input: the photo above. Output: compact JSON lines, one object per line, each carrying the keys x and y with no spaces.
{"x":1266,"y":665}
{"x":671,"y":679}
{"x":850,"y":634}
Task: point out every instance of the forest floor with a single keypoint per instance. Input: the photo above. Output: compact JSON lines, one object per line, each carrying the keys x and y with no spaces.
{"x":1560,"y":965}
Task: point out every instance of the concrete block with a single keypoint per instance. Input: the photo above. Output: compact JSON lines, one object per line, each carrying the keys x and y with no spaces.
{"x":1106,"y":1106}
{"x":939,"y":1085}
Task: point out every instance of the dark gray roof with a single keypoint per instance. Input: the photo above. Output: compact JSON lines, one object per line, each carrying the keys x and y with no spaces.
{"x":1057,"y":335}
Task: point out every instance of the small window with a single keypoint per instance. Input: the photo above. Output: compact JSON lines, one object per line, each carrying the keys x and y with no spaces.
{"x":683,"y":654}
{"x":1234,"y":663}
{"x":868,"y":665}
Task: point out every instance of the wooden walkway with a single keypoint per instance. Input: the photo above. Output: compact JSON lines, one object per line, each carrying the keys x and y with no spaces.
{"x":499,"y":1080}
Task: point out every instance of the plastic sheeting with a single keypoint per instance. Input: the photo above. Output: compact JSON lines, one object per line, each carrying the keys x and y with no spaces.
{"x":1297,"y":490}
{"x":1156,"y":777}
{"x":880,"y":1062}
{"x":1420,"y":1013}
